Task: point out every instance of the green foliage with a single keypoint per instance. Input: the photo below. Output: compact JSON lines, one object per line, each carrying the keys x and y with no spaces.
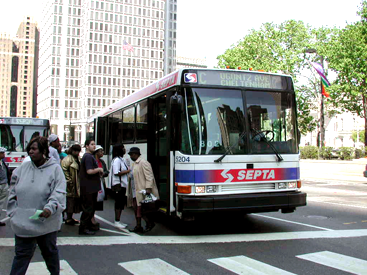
{"x":326,"y":152}
{"x":273,"y":48}
{"x":279,"y":48}
{"x":309,"y":152}
{"x":347,"y":56}
{"x":358,"y":153}
{"x":361,"y":136}
{"x":345,"y":153}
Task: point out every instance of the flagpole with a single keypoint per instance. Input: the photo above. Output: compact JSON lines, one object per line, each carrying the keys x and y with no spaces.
{"x":322,"y":119}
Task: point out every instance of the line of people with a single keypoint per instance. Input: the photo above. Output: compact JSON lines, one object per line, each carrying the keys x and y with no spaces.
{"x":45,"y":186}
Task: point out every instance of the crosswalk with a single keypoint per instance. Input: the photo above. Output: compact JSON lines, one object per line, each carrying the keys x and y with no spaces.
{"x":245,"y":265}
{"x":237,"y":264}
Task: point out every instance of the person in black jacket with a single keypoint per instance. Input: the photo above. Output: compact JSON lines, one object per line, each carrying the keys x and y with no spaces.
{"x":90,"y":184}
{"x":4,"y":181}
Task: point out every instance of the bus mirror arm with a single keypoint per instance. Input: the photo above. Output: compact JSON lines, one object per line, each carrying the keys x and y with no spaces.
{"x":176,"y":102}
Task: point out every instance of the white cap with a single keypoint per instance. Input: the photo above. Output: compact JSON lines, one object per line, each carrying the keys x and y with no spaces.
{"x":98,"y":147}
{"x":52,"y":138}
{"x":2,"y":150}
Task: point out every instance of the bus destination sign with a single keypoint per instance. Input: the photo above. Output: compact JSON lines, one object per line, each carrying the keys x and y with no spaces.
{"x":240,"y":79}
{"x":24,"y":121}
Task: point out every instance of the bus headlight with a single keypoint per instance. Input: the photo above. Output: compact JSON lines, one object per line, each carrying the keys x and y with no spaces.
{"x":282,"y":185}
{"x":211,"y":188}
{"x":200,"y":189}
{"x":292,"y":185}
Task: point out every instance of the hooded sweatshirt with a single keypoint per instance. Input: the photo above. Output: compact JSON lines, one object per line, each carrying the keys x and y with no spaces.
{"x":36,"y":188}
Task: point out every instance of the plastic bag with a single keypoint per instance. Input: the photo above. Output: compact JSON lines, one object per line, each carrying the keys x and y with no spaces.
{"x":101,"y":193}
{"x":148,"y":197}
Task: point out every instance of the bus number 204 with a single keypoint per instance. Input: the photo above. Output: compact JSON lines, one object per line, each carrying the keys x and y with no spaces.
{"x":182,"y":159}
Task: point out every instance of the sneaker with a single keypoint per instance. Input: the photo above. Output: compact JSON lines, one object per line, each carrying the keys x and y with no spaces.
{"x":119,"y":225}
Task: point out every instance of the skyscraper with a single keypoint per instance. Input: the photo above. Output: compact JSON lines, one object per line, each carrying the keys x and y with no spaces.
{"x":18,"y":71}
{"x":93,"y":53}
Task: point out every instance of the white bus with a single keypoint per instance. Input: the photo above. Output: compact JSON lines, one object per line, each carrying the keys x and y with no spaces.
{"x":218,"y":140}
{"x":16,"y":132}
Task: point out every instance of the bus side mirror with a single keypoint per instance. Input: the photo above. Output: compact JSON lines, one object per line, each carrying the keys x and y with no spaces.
{"x":176,"y":103}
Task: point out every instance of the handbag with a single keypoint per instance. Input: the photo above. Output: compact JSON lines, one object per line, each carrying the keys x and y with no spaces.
{"x":148,"y":205}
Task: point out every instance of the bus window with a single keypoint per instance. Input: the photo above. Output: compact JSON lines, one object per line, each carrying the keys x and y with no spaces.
{"x":115,"y":126}
{"x":31,"y":132}
{"x":213,"y":121}
{"x":142,"y":121}
{"x":11,"y":137}
{"x":189,"y":144}
{"x":128,"y":125}
{"x":272,"y":114}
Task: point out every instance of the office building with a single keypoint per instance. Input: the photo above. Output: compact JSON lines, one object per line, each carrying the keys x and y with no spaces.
{"x":18,"y":71}
{"x":93,"y":53}
{"x":189,"y":62}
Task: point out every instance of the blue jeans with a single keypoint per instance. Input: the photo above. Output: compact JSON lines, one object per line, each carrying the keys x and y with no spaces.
{"x":24,"y":250}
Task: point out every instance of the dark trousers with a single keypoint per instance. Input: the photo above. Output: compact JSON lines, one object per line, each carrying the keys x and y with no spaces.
{"x":89,"y":202}
{"x":24,"y":250}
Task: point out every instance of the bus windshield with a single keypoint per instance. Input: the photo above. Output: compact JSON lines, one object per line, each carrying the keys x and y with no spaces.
{"x":16,"y":138}
{"x":215,"y":121}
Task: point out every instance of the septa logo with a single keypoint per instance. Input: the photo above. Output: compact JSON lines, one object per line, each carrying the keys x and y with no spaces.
{"x":191,"y":78}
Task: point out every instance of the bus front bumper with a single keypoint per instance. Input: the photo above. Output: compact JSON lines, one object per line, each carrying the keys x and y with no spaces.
{"x":249,"y":203}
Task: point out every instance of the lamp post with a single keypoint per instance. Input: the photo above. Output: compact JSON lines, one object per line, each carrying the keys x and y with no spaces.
{"x":322,"y":120}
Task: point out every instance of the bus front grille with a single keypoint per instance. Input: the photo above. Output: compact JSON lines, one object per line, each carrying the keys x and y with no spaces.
{"x":248,"y":187}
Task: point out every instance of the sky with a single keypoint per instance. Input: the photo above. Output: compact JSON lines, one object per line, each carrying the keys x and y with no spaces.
{"x":206,"y":28}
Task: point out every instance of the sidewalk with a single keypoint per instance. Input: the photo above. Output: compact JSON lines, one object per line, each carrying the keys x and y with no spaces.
{"x":362,"y":161}
{"x":335,"y":170}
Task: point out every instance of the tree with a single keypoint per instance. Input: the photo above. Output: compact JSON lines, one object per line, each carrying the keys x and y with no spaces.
{"x":347,"y":56}
{"x":360,"y":134}
{"x":279,"y":48}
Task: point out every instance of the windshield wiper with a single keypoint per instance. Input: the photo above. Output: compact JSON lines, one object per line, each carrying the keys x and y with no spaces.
{"x":262,"y":137}
{"x":230,"y":148}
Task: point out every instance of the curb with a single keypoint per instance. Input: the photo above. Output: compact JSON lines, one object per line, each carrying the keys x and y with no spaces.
{"x":361,"y":161}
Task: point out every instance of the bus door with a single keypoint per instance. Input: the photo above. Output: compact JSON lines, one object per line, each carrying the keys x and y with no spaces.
{"x":101,"y":136}
{"x":157,"y":147}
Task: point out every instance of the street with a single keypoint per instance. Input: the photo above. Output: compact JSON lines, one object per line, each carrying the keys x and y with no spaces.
{"x":328,"y":236}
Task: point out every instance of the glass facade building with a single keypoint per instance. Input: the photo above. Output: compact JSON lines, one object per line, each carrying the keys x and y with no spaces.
{"x":93,"y":53}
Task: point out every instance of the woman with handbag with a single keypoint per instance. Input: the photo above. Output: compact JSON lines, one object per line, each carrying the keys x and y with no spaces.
{"x":118,"y":181}
{"x":142,"y":181}
{"x":71,"y":166}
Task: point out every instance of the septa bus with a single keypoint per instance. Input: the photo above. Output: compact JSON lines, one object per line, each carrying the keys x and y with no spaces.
{"x":15,"y":134}
{"x":217,"y":140}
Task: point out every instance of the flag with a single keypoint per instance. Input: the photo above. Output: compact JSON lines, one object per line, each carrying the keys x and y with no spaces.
{"x":127,"y":46}
{"x":324,"y":92}
{"x":320,"y":70}
{"x":324,"y":82}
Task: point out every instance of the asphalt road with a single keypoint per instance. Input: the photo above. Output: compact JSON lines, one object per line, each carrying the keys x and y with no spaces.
{"x":328,"y":236}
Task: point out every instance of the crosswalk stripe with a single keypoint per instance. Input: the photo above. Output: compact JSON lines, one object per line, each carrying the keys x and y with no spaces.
{"x":337,"y":261}
{"x":39,"y":268}
{"x":245,"y":265}
{"x":151,"y":266}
